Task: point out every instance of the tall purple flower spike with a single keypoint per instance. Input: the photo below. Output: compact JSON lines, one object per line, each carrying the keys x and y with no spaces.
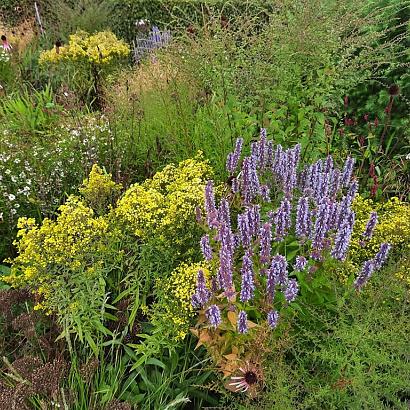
{"x":210,"y":208}
{"x":213,"y":315}
{"x":202,"y":294}
{"x":248,"y":285}
{"x":242,"y":322}
{"x":233,"y":157}
{"x":371,"y":224}
{"x":265,"y":242}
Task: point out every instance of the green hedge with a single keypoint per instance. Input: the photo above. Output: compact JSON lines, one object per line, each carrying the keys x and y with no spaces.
{"x":179,"y":14}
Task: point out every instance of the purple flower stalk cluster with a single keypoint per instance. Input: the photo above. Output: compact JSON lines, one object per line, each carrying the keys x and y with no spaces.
{"x":313,"y":203}
{"x":371,"y":224}
{"x":372,"y":265}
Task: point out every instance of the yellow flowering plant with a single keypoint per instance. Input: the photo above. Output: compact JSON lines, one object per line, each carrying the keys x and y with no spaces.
{"x":164,"y":206}
{"x":99,"y":190}
{"x":100,"y":48}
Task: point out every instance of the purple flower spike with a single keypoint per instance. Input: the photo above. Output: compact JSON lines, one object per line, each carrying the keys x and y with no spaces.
{"x":273,"y":318}
{"x":371,"y":224}
{"x":224,"y":216}
{"x":248,"y":286}
{"x":202,"y":294}
{"x":210,"y":208}
{"x":213,"y":314}
{"x":291,"y":290}
{"x":206,"y":247}
{"x":365,"y":274}
{"x":347,"y":172}
{"x":250,"y":180}
{"x":233,"y":158}
{"x":282,"y":219}
{"x":303,"y":221}
{"x":278,"y":270}
{"x":321,"y":225}
{"x":265,"y":242}
{"x":226,"y":257}
{"x":300,"y":263}
{"x":382,"y":255}
{"x":342,"y":240}
{"x":242,"y":322}
{"x":254,"y":219}
{"x":244,"y":230}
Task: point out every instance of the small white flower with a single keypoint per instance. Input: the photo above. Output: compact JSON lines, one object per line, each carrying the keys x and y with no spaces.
{"x":11,"y":197}
{"x":408,"y":156}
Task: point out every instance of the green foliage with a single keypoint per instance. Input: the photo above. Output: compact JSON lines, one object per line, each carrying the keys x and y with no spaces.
{"x":351,"y":358}
{"x":30,"y":113}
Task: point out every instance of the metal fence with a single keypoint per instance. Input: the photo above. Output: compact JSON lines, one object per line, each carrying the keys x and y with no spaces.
{"x":148,"y":43}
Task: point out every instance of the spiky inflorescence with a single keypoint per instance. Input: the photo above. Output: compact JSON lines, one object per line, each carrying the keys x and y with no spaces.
{"x":303,"y":221}
{"x":277,"y":274}
{"x":265,"y":242}
{"x":342,"y":240}
{"x":250,"y":180}
{"x":281,"y":219}
{"x":347,"y":172}
{"x":291,"y":291}
{"x":226,"y":257}
{"x":213,"y":315}
{"x":273,"y":318}
{"x":321,"y":226}
{"x":365,"y":274}
{"x":248,"y":286}
{"x":242,"y":322}
{"x":206,"y":247}
{"x":371,"y":224}
{"x":224,"y":213}
{"x":382,"y":255}
{"x":202,"y":294}
{"x":233,"y":157}
{"x":300,"y":263}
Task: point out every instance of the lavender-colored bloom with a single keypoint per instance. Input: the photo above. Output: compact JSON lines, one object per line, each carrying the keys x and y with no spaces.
{"x":255,"y":151}
{"x":233,"y":157}
{"x":250,"y":180}
{"x":282,"y":219}
{"x":248,"y":285}
{"x":235,"y":186}
{"x":382,"y":255}
{"x":278,"y":270}
{"x":242,"y":322}
{"x":244,"y":230}
{"x":265,"y":193}
{"x":321,"y":225}
{"x":371,"y":224}
{"x":254,"y":219}
{"x":303,"y":221}
{"x":329,"y":165}
{"x":262,"y":151}
{"x":347,"y":171}
{"x":210,"y":208}
{"x":265,"y":242}
{"x":300,"y":263}
{"x":335,"y":181}
{"x":213,"y":314}
{"x":226,"y":257}
{"x":273,"y":318}
{"x":224,"y":216}
{"x":278,"y":162}
{"x":202,"y":294}
{"x":342,"y":240}
{"x":291,"y":290}
{"x":365,"y":274}
{"x":206,"y":247}
{"x":354,"y":186}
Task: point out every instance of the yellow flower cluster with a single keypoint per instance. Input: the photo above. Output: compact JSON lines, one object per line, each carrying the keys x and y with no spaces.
{"x":99,"y":189}
{"x":393,"y":227}
{"x":178,"y":290}
{"x":75,"y":241}
{"x":164,"y":206}
{"x":99,"y":48}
